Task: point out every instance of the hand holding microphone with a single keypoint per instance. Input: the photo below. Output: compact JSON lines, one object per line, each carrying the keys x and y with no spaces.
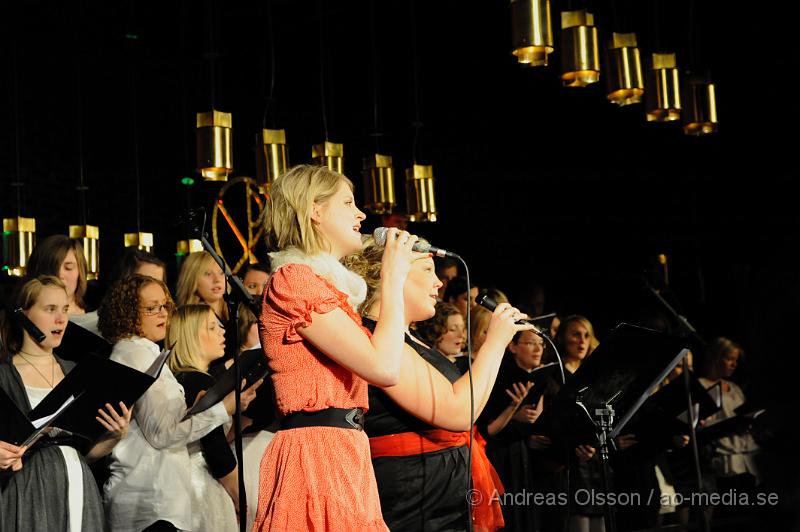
{"x":488,"y":303}
{"x":380,"y":236}
{"x":398,"y":254}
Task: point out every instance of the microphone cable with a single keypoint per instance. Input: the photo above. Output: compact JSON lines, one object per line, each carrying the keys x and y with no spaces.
{"x":470,"y":493}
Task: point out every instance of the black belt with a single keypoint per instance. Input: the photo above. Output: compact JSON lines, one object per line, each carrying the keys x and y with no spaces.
{"x":344,"y":418}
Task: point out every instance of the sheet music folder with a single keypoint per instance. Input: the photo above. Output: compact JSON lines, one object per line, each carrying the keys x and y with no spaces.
{"x":72,"y":405}
{"x":745,"y":415}
{"x":664,"y":414}
{"x":79,"y":342}
{"x":252,"y":366}
{"x":539,"y":376}
{"x":630,"y":362}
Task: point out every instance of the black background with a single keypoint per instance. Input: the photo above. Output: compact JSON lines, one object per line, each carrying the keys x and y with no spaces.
{"x":535,"y":182}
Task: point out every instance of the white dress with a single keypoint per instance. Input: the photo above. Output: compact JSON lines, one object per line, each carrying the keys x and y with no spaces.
{"x":213,"y":507}
{"x":73,"y":465}
{"x":151,"y":471}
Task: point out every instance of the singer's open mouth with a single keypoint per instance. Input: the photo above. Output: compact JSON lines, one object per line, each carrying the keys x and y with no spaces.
{"x":357,"y":228}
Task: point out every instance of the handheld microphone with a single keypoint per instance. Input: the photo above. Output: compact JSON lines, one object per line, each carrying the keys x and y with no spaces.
{"x":25,"y":322}
{"x":488,"y":303}
{"x":379,"y":235}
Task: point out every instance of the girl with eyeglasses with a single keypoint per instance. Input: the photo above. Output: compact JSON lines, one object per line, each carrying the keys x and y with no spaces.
{"x":150,"y":487}
{"x":506,"y":423}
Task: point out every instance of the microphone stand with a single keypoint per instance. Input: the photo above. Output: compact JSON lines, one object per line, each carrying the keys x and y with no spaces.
{"x":238,"y":295}
{"x":603,"y":426}
{"x":690,"y":331}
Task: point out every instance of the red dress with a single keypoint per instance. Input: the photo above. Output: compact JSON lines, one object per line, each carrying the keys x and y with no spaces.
{"x":312,"y":478}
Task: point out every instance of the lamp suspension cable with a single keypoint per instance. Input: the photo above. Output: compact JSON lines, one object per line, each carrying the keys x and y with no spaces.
{"x":323,"y":107}
{"x":211,"y":55}
{"x":417,"y":123}
{"x":81,"y":188}
{"x":186,"y":181}
{"x":18,"y":183}
{"x":271,"y":45}
{"x":692,"y":41}
{"x":376,"y":130}
{"x":137,"y":173}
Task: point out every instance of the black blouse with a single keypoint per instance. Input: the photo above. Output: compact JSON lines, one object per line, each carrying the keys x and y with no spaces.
{"x":387,"y":417}
{"x":219,"y":457}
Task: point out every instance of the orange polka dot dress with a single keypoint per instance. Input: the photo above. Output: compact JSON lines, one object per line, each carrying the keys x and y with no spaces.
{"x":312,"y":478}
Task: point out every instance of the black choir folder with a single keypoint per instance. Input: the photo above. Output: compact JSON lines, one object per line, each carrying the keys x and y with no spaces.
{"x":625,"y":369}
{"x":80,"y":342}
{"x":665,"y":414}
{"x":539,"y":376}
{"x":73,"y":404}
{"x":252,"y":367}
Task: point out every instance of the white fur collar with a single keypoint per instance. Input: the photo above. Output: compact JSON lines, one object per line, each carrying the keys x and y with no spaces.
{"x":326,"y":266}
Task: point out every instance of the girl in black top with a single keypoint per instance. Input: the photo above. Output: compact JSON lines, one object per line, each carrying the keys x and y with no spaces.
{"x":197,"y":339}
{"x":419,"y":428}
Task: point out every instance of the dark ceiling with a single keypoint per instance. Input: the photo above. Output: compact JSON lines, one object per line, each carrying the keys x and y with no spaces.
{"x":534,"y":181}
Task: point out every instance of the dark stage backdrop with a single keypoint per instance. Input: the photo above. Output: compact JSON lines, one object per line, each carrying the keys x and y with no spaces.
{"x":535,"y":182}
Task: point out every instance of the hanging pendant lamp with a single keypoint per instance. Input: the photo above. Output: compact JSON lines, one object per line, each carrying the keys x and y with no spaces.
{"x":19,"y":239}
{"x":89,"y":235}
{"x":700,"y":115}
{"x":139,"y":240}
{"x":271,"y":159}
{"x":330,"y":154}
{"x":214,"y":145}
{"x":420,"y":195}
{"x":663,"y":94}
{"x":379,"y":195}
{"x":624,"y":73}
{"x":580,"y":56}
{"x":531,"y":31}
{"x":187,"y":247}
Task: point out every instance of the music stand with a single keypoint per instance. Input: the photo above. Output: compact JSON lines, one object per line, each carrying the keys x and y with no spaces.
{"x":664,"y":414}
{"x":238,"y":295}
{"x":596,"y":404}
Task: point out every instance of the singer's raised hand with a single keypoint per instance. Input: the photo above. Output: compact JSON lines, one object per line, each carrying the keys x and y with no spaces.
{"x":398,"y":256}
{"x":503,"y":325}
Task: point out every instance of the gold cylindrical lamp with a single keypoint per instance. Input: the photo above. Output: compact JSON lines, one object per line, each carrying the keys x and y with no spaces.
{"x":139,"y":240}
{"x":379,"y":195}
{"x":187,"y":247}
{"x":271,"y":158}
{"x":531,"y":31}
{"x":214,"y":145}
{"x":420,"y":196}
{"x":19,"y":239}
{"x":700,"y":115}
{"x":580,"y":54}
{"x":89,"y":235}
{"x":663,"y":94}
{"x":330,"y":154}
{"x":624,"y":70}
